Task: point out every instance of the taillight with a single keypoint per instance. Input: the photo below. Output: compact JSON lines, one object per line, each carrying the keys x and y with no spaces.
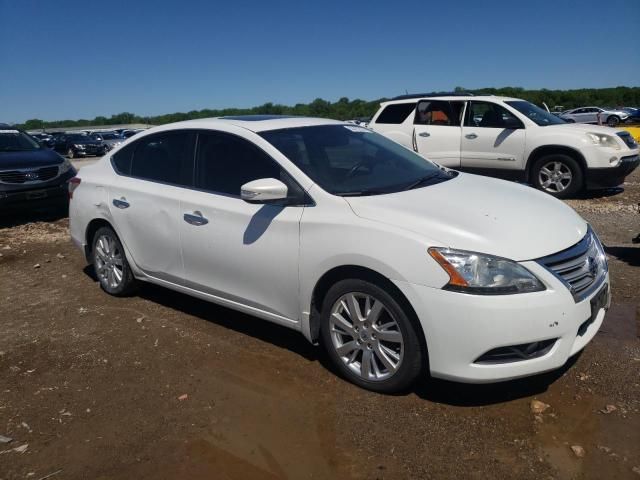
{"x":73,"y":184}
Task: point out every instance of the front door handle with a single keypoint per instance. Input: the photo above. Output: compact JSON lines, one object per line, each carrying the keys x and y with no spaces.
{"x":195,"y":218}
{"x":122,"y":203}
{"x":471,"y":136}
{"x":424,"y":134}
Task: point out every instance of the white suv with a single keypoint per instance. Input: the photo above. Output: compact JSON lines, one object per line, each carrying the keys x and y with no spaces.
{"x":509,"y":138}
{"x":395,"y":265}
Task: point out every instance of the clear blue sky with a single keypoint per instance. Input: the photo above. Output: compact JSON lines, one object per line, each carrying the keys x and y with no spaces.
{"x":69,"y":59}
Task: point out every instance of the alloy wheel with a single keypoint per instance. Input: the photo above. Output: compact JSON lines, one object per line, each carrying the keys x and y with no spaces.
{"x":555,"y":177}
{"x":366,"y":336}
{"x":109,"y":262}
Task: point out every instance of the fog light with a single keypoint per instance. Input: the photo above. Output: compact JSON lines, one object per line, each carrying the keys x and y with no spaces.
{"x":613,"y":161}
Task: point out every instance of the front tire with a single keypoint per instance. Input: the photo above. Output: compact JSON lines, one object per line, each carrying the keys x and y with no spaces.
{"x":613,"y":121}
{"x":370,"y":337}
{"x":558,"y":175}
{"x":110,"y":263}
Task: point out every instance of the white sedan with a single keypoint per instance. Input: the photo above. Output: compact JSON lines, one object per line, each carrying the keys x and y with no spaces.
{"x":395,"y":265}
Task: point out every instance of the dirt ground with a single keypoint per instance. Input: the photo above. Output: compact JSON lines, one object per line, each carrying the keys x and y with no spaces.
{"x":164,"y":386}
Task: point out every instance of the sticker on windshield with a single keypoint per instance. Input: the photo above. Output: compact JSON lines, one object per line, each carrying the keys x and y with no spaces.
{"x":15,"y":132}
{"x":357,"y":129}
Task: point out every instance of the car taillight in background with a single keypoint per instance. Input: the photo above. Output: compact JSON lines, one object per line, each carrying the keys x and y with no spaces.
{"x":73,"y":184}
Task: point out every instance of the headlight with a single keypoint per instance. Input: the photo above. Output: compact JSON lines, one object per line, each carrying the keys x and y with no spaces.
{"x":79,"y":147}
{"x":603,"y":140}
{"x":64,"y":167}
{"x":478,"y":273}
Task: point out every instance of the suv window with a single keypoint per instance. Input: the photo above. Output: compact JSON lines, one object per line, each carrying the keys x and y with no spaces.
{"x":164,"y":157}
{"x":490,"y":115}
{"x":225,"y":162}
{"x":438,"y":112}
{"x":396,"y":113}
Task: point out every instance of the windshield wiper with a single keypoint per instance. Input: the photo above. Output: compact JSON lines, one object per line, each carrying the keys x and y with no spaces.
{"x":422,"y":181}
{"x":362,"y":193}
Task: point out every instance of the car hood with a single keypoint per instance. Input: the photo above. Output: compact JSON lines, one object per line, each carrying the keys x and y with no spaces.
{"x":33,"y":158}
{"x":582,"y":128}
{"x":479,"y":214}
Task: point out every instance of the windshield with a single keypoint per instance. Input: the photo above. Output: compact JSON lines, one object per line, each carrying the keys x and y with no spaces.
{"x":16,"y":141}
{"x":535,"y":113}
{"x":348,"y":160}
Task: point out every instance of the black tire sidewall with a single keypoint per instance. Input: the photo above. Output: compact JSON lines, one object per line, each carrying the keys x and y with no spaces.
{"x":414,"y":360}
{"x":615,"y":123}
{"x":128,"y":283}
{"x":577,"y":179}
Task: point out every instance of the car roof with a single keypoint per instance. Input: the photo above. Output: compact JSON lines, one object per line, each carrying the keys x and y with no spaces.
{"x":255,"y":123}
{"x":414,"y":99}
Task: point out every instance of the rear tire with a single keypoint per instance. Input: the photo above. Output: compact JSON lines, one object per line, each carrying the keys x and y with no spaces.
{"x":378,"y":348}
{"x":558,"y":175}
{"x":110,"y":263}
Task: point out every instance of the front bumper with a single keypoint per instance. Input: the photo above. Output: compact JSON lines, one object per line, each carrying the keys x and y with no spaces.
{"x":612,"y":176}
{"x":461,"y":328}
{"x":36,"y":196}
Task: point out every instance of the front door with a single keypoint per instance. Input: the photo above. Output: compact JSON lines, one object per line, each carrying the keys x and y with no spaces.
{"x":437,"y":130}
{"x":240,"y":252}
{"x":492,"y":138}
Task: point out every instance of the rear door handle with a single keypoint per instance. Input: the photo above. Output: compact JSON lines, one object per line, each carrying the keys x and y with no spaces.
{"x":471,"y":136}
{"x":424,"y":134}
{"x":195,"y":218}
{"x":122,"y":203}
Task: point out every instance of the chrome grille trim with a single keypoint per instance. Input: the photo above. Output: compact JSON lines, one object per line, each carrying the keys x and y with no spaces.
{"x":28,"y":176}
{"x":581,"y":268}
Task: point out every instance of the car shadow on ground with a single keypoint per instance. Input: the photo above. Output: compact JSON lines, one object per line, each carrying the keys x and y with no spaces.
{"x":474,"y":395}
{"x":8,"y":220}
{"x":427,"y":388}
{"x":602,"y":193}
{"x":629,"y":255}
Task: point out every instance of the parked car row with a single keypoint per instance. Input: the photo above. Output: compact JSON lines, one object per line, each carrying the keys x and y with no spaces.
{"x":84,"y":142}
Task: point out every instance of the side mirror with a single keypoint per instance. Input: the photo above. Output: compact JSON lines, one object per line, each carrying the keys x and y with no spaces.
{"x":263,"y":190}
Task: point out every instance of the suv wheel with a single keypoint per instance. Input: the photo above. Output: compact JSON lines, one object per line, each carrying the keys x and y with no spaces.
{"x":110,"y":263}
{"x":70,"y":153}
{"x":369,"y":337}
{"x":613,"y":121}
{"x":558,"y":175}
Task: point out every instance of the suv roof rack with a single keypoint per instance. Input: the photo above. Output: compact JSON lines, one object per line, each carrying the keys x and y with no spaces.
{"x":433,"y":94}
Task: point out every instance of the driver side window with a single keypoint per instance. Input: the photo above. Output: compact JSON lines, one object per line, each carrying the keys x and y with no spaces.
{"x":490,"y":115}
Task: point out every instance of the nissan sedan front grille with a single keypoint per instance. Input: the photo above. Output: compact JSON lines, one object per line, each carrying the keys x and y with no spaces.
{"x":581,"y":267}
{"x":29,"y":175}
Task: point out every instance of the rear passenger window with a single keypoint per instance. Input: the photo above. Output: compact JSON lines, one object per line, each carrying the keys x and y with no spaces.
{"x":226,"y":162}
{"x":121,"y":160}
{"x":165,"y":157}
{"x":396,"y":113}
{"x":438,"y":112}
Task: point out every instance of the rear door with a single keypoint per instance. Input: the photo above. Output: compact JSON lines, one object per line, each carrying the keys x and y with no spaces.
{"x":492,"y":138}
{"x":437,"y":131}
{"x":145,"y":200}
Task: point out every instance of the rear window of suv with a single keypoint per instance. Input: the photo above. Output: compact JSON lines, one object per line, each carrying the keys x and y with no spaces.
{"x":396,"y":113}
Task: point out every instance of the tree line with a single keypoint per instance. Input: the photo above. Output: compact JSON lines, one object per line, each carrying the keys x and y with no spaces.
{"x":345,"y":109}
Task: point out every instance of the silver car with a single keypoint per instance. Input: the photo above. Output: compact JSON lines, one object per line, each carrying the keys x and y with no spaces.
{"x":609,"y":116}
{"x":110,"y":139}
